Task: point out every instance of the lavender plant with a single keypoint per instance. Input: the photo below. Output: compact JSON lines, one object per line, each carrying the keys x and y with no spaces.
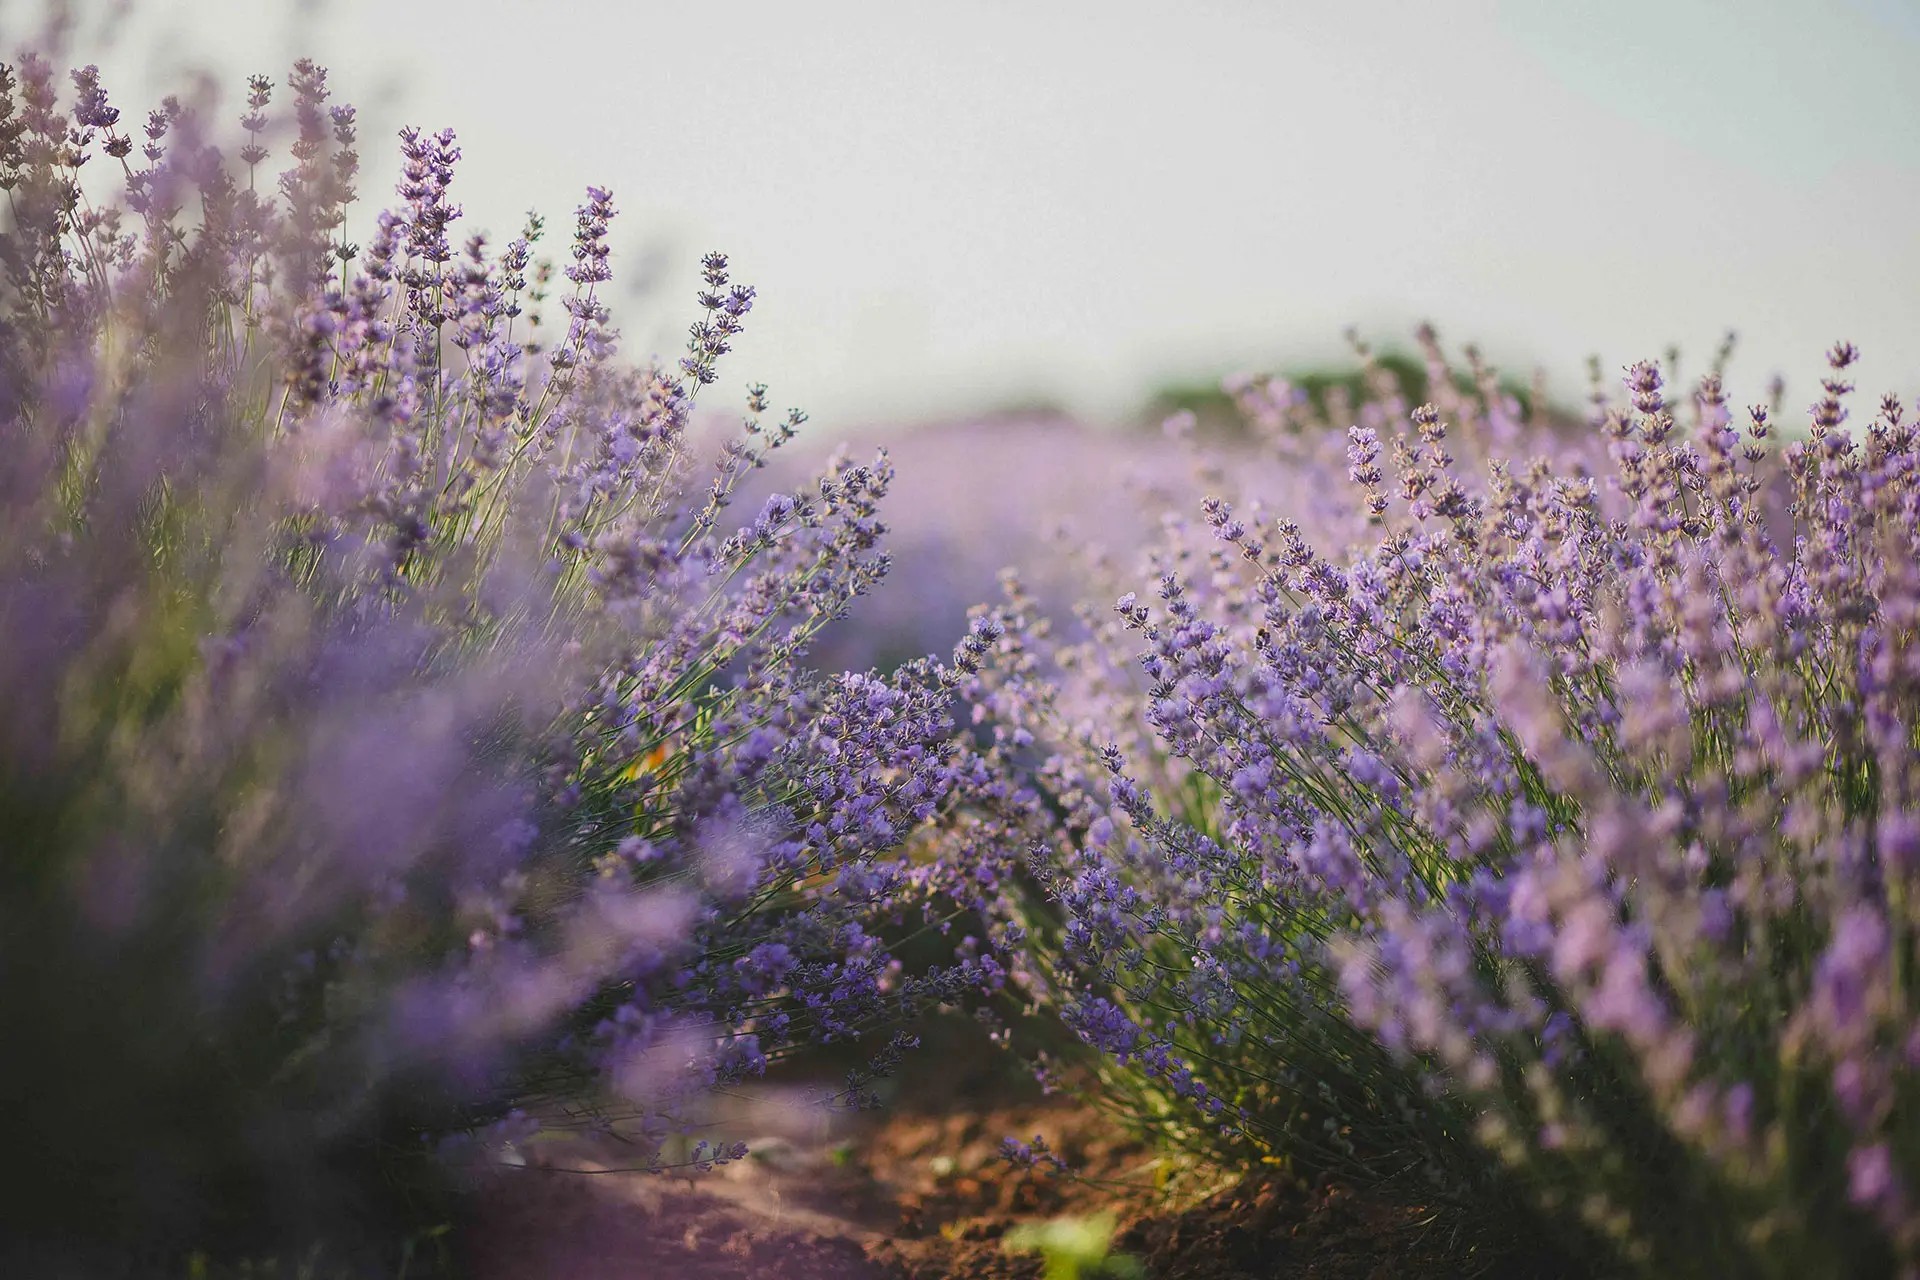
{"x":1553,"y":838}
{"x":399,"y":742}
{"x":1168,"y":933}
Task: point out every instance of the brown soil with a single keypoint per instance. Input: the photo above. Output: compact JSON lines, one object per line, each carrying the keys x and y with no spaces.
{"x":918,"y":1191}
{"x":911,"y":1193}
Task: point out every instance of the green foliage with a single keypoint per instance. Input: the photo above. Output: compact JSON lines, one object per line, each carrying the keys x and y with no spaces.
{"x":1076,"y":1247}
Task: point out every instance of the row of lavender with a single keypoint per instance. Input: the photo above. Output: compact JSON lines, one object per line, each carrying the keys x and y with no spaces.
{"x":1539,"y":836}
{"x":400,"y":743}
{"x":402,"y":740}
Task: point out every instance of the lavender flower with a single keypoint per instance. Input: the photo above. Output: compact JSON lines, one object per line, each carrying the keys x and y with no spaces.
{"x":403,"y":736}
{"x":1533,"y":826}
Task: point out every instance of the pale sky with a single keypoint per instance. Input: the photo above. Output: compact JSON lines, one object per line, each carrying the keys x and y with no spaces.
{"x":951,"y":206}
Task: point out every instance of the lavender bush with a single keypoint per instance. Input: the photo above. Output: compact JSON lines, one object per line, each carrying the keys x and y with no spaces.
{"x":399,"y":743}
{"x":1166,"y":933}
{"x":1552,"y":840}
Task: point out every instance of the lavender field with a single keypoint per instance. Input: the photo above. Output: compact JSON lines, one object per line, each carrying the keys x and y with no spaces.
{"x":479,"y":798}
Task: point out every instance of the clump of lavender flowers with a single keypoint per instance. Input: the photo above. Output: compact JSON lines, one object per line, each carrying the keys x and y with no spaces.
{"x":1547,"y":835}
{"x":399,"y":742}
{"x":1169,"y":935}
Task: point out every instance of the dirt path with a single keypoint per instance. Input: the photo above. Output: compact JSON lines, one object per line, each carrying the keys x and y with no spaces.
{"x":915,"y":1195}
{"x":823,"y":1195}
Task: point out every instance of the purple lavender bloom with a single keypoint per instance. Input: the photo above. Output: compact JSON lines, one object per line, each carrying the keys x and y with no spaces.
{"x":408,"y":729}
{"x":1536,"y":784}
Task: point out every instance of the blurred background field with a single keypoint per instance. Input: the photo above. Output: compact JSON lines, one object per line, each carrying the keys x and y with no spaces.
{"x":954,"y":209}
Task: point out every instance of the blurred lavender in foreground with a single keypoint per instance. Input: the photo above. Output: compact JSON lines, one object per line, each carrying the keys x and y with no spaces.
{"x":398,"y":746}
